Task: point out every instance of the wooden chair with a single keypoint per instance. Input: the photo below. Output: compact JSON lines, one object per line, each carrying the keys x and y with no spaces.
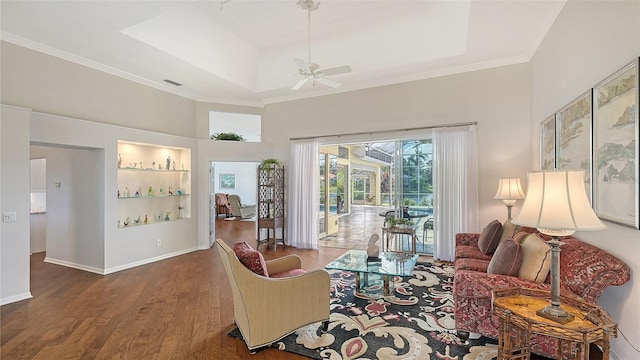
{"x":268,"y":309}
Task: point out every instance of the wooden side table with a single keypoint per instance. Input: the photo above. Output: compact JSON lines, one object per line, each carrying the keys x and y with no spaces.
{"x":516,"y":308}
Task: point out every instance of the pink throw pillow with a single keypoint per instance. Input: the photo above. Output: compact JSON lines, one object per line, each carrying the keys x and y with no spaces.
{"x":251,"y":258}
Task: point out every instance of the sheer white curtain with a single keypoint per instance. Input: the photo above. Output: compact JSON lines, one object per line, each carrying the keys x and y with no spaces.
{"x":303,"y":195}
{"x":455,"y":186}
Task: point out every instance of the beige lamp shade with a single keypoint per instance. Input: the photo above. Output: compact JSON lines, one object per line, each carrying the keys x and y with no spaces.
{"x":557,"y":204}
{"x":509,"y":190}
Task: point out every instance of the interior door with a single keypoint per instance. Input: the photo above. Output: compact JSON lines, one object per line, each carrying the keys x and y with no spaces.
{"x":212,"y":204}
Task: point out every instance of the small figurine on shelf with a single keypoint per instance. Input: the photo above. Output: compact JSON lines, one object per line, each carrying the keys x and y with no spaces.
{"x":150,"y":190}
{"x":118,"y":193}
{"x":119,"y":223}
{"x":146,"y":219}
{"x":136,"y":220}
{"x":168,"y":162}
{"x":137,"y":193}
{"x":153,"y":165}
{"x":170,"y":190}
{"x":180,"y":212}
{"x":141,"y":165}
{"x":161,"y":192}
{"x":173,"y":165}
{"x":183,"y":166}
{"x":159,"y":218}
{"x":180,"y":192}
{"x":130,"y":165}
{"x":119,"y":161}
{"x":159,"y":166}
{"x":126,"y":222}
{"x":167,"y":217}
{"x":126,"y":191}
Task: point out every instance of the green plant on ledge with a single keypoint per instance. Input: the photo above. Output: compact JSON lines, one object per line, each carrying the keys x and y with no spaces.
{"x":399,"y":222}
{"x":269,"y":163}
{"x":231,"y":136}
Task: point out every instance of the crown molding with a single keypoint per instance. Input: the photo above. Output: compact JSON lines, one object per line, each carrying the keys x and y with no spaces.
{"x":229,"y":101}
{"x":549,"y":18}
{"x":39,"y":47}
{"x":404,"y":79}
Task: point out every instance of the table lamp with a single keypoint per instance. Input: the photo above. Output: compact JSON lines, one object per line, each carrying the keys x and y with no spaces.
{"x":509,"y":190}
{"x":557,"y":205}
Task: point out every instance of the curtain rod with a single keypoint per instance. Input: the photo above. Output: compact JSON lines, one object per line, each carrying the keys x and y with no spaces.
{"x":383,"y":131}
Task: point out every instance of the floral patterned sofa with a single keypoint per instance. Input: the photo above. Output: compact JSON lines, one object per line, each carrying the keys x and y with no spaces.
{"x":585,"y":271}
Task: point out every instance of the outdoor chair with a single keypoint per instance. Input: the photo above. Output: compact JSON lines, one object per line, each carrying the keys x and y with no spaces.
{"x":266,"y":308}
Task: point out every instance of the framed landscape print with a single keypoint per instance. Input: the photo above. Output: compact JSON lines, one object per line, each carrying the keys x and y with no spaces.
{"x":227,"y":181}
{"x":548,"y":144}
{"x":573,"y":138}
{"x":615,"y":114}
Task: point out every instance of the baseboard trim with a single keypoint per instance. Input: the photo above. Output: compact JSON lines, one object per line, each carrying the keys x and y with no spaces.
{"x":15,"y":298}
{"x":73,"y":265}
{"x":148,"y":261}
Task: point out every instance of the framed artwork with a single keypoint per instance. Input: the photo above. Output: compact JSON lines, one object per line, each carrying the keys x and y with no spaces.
{"x":615,"y":114}
{"x":227,"y":181}
{"x":574,"y":138}
{"x":548,"y":143}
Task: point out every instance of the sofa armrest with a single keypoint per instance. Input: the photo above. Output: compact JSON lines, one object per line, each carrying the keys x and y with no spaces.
{"x":282,"y":264}
{"x":467,"y":239}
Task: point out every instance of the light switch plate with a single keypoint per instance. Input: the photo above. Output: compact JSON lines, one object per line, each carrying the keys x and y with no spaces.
{"x":9,"y":216}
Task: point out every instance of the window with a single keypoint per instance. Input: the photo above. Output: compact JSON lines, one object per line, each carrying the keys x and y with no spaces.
{"x":249,"y":126}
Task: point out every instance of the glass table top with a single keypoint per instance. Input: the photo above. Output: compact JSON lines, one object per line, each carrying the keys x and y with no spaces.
{"x":390,"y":263}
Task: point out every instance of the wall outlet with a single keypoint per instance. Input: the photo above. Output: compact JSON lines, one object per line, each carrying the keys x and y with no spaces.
{"x":159,"y":242}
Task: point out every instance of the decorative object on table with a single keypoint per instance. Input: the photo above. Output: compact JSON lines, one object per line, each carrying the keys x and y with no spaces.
{"x":548,"y":143}
{"x":557,"y":205}
{"x":230,"y":136}
{"x":399,"y":222}
{"x":168,"y":162}
{"x":167,"y":217}
{"x":509,"y":191}
{"x":573,"y":137}
{"x":615,"y":145}
{"x":373,"y":251}
{"x":119,"y":161}
{"x":227,"y":181}
{"x":150,"y":190}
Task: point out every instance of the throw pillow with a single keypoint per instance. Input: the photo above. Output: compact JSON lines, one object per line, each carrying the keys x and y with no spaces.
{"x":509,"y":230}
{"x":490,"y":237}
{"x":520,"y":236}
{"x":251,"y":258}
{"x":536,"y":259}
{"x":507,"y":259}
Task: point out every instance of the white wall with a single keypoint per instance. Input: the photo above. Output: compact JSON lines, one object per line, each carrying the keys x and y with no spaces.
{"x":75,"y":226}
{"x":246,"y":181}
{"x":589,"y":41}
{"x":497,"y":99}
{"x":14,"y":193}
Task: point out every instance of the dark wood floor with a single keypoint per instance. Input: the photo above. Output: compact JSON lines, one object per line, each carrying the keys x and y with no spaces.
{"x":179,"y":308}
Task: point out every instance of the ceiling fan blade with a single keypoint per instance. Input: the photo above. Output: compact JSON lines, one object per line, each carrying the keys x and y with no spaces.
{"x":300,"y":83}
{"x":327,"y":82}
{"x":336,"y":70}
{"x":302,"y":65}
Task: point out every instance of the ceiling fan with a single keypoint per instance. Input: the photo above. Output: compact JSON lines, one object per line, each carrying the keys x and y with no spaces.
{"x":309,"y":70}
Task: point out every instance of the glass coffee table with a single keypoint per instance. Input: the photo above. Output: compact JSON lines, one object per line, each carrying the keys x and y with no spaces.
{"x":389,"y":264}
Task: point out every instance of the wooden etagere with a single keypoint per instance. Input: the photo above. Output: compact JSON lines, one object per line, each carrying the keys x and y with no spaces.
{"x":271,"y":206}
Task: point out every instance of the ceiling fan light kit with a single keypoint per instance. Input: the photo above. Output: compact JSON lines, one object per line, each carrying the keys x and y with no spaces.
{"x":309,"y":69}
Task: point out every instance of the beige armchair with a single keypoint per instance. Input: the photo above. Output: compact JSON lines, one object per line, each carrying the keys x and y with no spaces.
{"x":268,"y":309}
{"x":241,"y":210}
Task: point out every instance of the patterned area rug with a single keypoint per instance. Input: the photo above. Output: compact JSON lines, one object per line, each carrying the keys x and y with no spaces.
{"x":414,"y":322}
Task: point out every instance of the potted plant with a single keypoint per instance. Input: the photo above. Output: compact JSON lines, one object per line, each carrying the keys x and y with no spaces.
{"x":269,"y":163}
{"x":400,"y":222}
{"x":230,"y":136}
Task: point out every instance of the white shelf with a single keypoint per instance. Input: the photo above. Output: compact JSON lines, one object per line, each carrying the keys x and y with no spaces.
{"x":151,"y":197}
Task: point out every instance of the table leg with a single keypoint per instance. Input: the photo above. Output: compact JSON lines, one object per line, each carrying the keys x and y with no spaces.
{"x":357,"y":282}
{"x":386,"y":285}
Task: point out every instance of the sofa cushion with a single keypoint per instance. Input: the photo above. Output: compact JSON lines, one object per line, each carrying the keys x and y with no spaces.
{"x":251,"y":258}
{"x":490,"y":237}
{"x":288,"y":273}
{"x":536,"y":259}
{"x":470,"y":252}
{"x":507,"y":259}
{"x":509,"y":230}
{"x":472,"y":264}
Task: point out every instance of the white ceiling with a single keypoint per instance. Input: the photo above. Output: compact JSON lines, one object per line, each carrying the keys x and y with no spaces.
{"x":242,"y":52}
